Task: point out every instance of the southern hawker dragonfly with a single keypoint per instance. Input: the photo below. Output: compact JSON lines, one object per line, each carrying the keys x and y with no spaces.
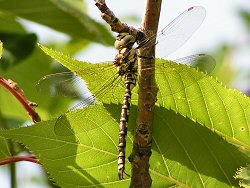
{"x":173,"y":36}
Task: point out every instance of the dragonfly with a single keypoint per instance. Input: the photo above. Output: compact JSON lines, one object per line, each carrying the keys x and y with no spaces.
{"x":173,"y":36}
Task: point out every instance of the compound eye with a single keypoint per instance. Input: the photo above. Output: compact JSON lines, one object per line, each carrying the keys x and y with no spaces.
{"x":128,"y":39}
{"x":123,"y":40}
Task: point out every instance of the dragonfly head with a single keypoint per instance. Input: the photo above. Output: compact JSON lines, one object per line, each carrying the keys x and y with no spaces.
{"x":124,"y":40}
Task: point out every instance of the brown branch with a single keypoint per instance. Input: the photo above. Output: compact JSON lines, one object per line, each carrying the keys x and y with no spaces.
{"x":19,"y":94}
{"x":15,"y":159}
{"x":115,"y":24}
{"x":147,"y":97}
{"x":148,"y":90}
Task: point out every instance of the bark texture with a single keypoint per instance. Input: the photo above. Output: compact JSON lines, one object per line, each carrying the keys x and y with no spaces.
{"x":147,"y":98}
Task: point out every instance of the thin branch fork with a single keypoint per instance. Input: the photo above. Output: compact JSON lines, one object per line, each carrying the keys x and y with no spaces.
{"x":19,"y":94}
{"x":114,"y":22}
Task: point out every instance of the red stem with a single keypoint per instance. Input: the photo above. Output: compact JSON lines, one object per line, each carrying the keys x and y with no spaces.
{"x":19,"y":94}
{"x":14,"y":159}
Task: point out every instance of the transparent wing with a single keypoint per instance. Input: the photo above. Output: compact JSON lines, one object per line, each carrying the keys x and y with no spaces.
{"x":63,"y":128}
{"x":202,"y":62}
{"x":68,"y":84}
{"x":65,"y":84}
{"x":177,"y":32}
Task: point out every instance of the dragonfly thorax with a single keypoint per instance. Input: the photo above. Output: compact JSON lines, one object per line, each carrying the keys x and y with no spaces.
{"x":126,"y":61}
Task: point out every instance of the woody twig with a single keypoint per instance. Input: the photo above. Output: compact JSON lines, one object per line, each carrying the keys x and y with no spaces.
{"x":114,"y":22}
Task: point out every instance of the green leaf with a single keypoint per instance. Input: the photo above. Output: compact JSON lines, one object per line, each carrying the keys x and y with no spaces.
{"x":9,"y":24}
{"x":184,"y":90}
{"x":203,"y":99}
{"x":188,"y":154}
{"x":64,"y":16}
{"x":185,"y":153}
{"x":96,"y":74}
{"x":69,"y":159}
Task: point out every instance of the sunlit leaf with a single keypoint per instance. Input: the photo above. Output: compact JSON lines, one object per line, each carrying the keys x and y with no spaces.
{"x":193,"y":151}
{"x":185,"y":153}
{"x":97,"y":74}
{"x":188,"y":92}
{"x":62,"y":156}
{"x":224,"y":111}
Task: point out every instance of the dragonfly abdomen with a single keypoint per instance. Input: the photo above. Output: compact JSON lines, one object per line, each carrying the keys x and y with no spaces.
{"x":126,"y":61}
{"x":130,"y":81}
